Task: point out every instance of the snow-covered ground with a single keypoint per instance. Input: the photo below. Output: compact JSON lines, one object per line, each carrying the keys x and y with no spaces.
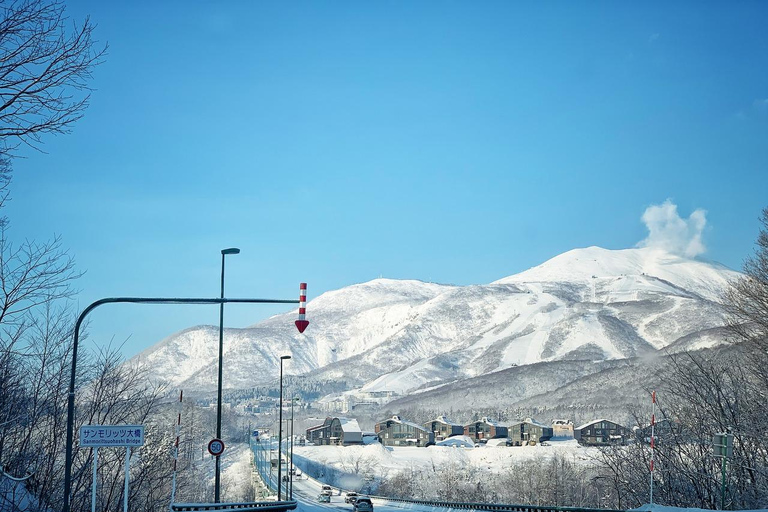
{"x":661,"y":508}
{"x":236,"y":468}
{"x":236,"y":473}
{"x":382,"y":460}
{"x":306,"y":488}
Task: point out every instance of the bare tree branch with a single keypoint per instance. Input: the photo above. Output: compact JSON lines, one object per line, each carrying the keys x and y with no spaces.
{"x":44,"y":71}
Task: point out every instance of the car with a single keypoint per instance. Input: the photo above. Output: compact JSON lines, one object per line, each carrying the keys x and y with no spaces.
{"x":327,"y":488}
{"x":324,"y":497}
{"x":363,"y":504}
{"x":351,"y":497}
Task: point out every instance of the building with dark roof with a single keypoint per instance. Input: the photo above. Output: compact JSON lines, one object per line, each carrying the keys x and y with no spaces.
{"x":485,"y":429}
{"x":529,"y":432}
{"x":398,"y":432}
{"x":601,"y":433}
{"x":338,"y":431}
{"x":443,"y":428}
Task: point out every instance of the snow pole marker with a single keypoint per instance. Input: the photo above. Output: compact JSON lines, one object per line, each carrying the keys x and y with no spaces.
{"x":302,"y":322}
{"x":653,"y":439}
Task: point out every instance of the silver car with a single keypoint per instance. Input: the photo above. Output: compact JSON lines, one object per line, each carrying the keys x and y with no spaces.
{"x":363,"y":504}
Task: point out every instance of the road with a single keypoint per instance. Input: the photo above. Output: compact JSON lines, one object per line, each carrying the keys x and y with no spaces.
{"x":306,"y":490}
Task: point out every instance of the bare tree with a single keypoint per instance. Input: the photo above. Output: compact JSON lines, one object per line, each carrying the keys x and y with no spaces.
{"x":747,"y":303}
{"x":747,"y":299}
{"x":706,"y":392}
{"x":116,"y":393}
{"x":44,"y":71}
{"x":45,"y":65}
{"x":35,"y":340}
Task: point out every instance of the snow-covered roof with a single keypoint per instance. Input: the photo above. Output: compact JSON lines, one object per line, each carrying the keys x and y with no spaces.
{"x":462,"y":441}
{"x":397,"y":419}
{"x":349,"y":425}
{"x":593,"y":422}
{"x":443,"y":419}
{"x":531,"y":421}
{"x":325,"y":423}
{"x":488,"y":422}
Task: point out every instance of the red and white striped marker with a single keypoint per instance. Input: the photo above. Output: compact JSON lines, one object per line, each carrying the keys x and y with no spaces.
{"x":653,"y":439}
{"x":302,"y":322}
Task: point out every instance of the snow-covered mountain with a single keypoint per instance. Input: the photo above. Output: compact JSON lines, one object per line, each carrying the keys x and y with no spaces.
{"x":403,"y":336}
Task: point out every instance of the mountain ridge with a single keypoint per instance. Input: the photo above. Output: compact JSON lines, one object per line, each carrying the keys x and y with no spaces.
{"x":404,"y":335}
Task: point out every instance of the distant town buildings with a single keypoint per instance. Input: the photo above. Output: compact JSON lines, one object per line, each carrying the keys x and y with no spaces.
{"x":360,"y":401}
{"x":396,"y":431}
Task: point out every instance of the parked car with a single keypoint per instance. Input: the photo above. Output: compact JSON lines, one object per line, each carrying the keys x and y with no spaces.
{"x":363,"y":504}
{"x":351,"y":497}
{"x":324,"y":497}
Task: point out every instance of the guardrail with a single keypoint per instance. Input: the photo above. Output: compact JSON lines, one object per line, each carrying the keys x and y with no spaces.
{"x":494,"y":507}
{"x":261,"y":467}
{"x":261,"y":506}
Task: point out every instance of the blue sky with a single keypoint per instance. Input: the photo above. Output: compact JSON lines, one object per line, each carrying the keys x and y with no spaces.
{"x":336,"y":142}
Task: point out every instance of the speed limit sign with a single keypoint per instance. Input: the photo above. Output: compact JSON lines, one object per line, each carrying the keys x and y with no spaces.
{"x":216,"y":447}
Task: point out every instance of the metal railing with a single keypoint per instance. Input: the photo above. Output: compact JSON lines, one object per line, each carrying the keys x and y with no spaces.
{"x":495,"y":507}
{"x":262,"y":506}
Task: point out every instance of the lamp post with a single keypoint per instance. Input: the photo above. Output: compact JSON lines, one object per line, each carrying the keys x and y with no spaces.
{"x":280,"y":430}
{"x":224,"y":253}
{"x":291,"y":469}
{"x":136,"y":300}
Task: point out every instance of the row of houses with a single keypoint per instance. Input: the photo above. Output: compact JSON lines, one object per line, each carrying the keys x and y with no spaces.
{"x":396,"y":431}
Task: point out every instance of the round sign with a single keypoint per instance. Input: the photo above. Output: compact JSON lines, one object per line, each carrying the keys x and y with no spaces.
{"x":216,"y":447}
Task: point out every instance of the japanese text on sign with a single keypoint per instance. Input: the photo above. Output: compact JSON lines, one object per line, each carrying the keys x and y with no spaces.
{"x":112,"y":435}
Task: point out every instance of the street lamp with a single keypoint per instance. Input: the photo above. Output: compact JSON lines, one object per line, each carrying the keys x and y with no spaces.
{"x":280,"y":429}
{"x":291,"y":469}
{"x":135,"y":300}
{"x":224,"y":252}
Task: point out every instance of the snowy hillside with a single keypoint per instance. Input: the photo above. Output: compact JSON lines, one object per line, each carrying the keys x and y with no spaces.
{"x":706,"y":279}
{"x":389,"y":335}
{"x":343,"y":323}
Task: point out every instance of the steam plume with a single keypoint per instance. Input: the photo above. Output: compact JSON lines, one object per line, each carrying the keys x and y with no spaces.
{"x":668,"y":231}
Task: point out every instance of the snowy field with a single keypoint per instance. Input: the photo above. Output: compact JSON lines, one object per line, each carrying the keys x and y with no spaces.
{"x":380,"y":460}
{"x":236,"y":472}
